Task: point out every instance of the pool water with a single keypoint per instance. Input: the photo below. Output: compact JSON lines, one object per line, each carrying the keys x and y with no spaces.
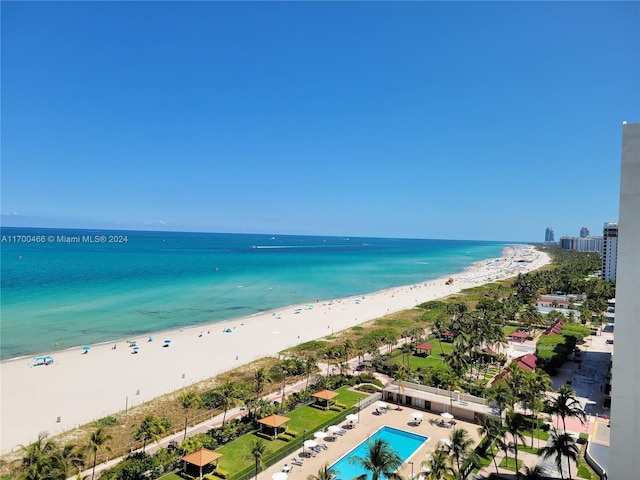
{"x":404,"y":443}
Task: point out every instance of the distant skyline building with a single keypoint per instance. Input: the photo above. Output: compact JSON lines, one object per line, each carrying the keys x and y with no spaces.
{"x":625,"y":393}
{"x":610,"y":251}
{"x":583,"y":244}
{"x":584,"y":232}
{"x":548,"y":235}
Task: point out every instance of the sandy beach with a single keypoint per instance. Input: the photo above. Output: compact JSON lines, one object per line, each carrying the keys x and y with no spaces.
{"x":81,"y":387}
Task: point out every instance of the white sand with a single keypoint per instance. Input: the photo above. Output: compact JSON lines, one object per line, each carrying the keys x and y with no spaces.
{"x":80,"y":388}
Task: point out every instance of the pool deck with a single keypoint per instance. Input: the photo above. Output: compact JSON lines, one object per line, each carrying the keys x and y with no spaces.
{"x":368,"y":424}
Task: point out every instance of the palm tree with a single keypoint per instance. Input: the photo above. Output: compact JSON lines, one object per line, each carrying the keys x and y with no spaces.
{"x":458,"y":359}
{"x":310,"y":365}
{"x":260,"y":378}
{"x":536,"y":384}
{"x":438,"y":326}
{"x":70,"y":459}
{"x":406,"y":350}
{"x":228,"y":392}
{"x":562,"y":445}
{"x":460,"y":446}
{"x":513,"y":423}
{"x":189,"y":399}
{"x":437,"y":467}
{"x":347,"y":347}
{"x":258,"y":448}
{"x":494,"y":430}
{"x":538,"y":472}
{"x":381,"y":460}
{"x":38,"y":460}
{"x":97,"y":439}
{"x":401,"y":375}
{"x":286,"y":367}
{"x":325,"y":473}
{"x":501,"y":393}
{"x":150,"y":428}
{"x":566,"y":405}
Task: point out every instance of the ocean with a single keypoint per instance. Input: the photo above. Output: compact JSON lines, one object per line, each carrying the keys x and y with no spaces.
{"x":62,"y":288}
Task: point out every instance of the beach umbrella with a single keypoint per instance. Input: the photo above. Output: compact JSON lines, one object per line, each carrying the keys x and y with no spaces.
{"x":416,"y":415}
{"x":446,"y":441}
{"x":279,"y":476}
{"x":381,"y":405}
{"x":352,"y":417}
{"x":446,"y":415}
{"x":320,"y":434}
{"x":167,"y":342}
{"x":334,"y":429}
{"x":86,"y":349}
{"x":135,"y":349}
{"x":310,"y":443}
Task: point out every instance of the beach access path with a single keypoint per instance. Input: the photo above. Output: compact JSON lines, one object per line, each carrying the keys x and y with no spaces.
{"x":79,"y":388}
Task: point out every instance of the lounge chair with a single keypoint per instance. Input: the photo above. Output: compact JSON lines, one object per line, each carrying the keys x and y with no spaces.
{"x":297,"y":462}
{"x":325,"y":446}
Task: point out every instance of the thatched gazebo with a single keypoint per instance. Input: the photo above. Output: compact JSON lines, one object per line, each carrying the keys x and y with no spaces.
{"x":274,"y":422}
{"x":324,"y":398}
{"x":202,"y":457}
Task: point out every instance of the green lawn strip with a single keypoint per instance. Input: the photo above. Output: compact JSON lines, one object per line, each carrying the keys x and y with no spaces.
{"x":511,"y":464}
{"x":527,"y":449}
{"x":171,"y":476}
{"x":487,"y":459}
{"x":584,"y":469}
{"x":420,"y":362}
{"x":509,"y":329}
{"x":237,"y":454}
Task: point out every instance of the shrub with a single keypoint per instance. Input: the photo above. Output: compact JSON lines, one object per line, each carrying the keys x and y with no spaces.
{"x":106,"y":422}
{"x":220,"y":472}
{"x":583,"y":438}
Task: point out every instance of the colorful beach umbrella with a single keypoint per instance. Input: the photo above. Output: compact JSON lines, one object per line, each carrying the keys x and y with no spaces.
{"x":86,"y":349}
{"x":167,"y":341}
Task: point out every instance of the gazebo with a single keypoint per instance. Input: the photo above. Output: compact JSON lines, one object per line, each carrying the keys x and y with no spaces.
{"x":202,"y":457}
{"x":324,"y":398}
{"x":518,"y":336}
{"x":423,"y":349}
{"x":274,"y":422}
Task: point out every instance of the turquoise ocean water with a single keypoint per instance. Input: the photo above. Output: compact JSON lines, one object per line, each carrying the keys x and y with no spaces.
{"x":64,"y":288}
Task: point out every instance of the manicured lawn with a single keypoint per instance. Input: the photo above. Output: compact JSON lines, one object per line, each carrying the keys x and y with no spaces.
{"x":172,"y":476}
{"x":527,"y":449}
{"x":237,"y":454}
{"x":508,"y":330}
{"x":511,"y":465}
{"x":416,"y":361}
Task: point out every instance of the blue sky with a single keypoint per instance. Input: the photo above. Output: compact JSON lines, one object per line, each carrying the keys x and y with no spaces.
{"x":417,"y":119}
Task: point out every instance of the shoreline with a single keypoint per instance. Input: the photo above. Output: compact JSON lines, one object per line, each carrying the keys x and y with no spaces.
{"x":79,"y":388}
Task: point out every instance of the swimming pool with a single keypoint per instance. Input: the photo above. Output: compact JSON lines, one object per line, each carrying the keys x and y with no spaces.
{"x":404,"y":443}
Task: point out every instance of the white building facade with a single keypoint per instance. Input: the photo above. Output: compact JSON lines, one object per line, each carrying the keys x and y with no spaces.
{"x":624,"y":460}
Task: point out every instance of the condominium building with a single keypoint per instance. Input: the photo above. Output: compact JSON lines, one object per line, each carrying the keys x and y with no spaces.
{"x":582,"y":244}
{"x":610,"y":250}
{"x":548,"y":235}
{"x":624,"y":461}
{"x":584,"y":232}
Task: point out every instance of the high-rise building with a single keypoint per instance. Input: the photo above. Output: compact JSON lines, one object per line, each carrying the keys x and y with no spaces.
{"x":625,"y":392}
{"x":609,"y":250}
{"x":548,"y":235}
{"x":584,"y":232}
{"x":582,"y":244}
